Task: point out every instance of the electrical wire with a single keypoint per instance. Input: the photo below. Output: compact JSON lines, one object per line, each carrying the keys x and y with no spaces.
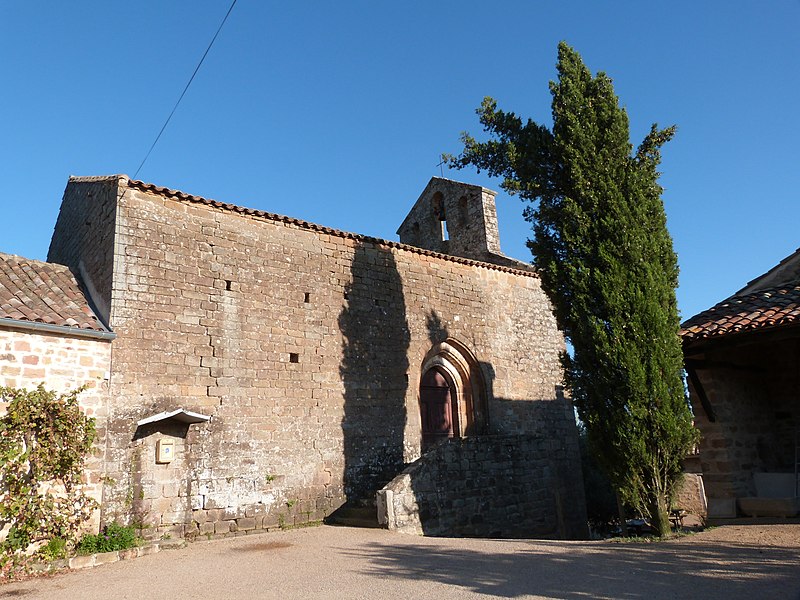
{"x":183,"y":93}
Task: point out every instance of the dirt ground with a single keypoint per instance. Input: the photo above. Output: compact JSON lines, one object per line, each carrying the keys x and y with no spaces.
{"x":725,"y":563}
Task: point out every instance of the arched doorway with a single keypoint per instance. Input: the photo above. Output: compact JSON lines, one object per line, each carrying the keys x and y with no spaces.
{"x":452,"y":394}
{"x":437,"y":398}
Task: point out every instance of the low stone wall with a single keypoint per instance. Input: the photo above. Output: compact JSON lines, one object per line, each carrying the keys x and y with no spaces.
{"x":488,"y":486}
{"x":691,"y":496}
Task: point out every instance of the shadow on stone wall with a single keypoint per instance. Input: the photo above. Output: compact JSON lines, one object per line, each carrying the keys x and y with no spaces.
{"x":374,"y":371}
{"x":520,"y":478}
{"x":437,"y":330}
{"x":552,"y":422}
{"x":499,"y":486}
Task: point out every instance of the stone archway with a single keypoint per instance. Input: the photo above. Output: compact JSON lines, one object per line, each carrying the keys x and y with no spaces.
{"x":461,"y":399}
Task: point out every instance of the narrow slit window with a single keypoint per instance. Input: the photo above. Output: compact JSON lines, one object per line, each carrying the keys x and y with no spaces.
{"x":307,"y":298}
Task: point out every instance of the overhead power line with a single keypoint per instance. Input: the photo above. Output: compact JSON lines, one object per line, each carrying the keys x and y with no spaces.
{"x":183,"y":93}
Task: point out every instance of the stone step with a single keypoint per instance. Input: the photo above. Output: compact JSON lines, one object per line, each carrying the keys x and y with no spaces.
{"x":354,"y":516}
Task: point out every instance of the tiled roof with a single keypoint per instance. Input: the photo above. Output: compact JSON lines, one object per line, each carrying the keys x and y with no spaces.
{"x":41,"y":292}
{"x":757,"y":310}
{"x":520,"y":268}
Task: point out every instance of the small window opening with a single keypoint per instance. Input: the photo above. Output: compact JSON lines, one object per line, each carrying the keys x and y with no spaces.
{"x":346,"y":295}
{"x":294,"y":357}
{"x":228,"y":285}
{"x":445,"y":237}
{"x":307,"y":298}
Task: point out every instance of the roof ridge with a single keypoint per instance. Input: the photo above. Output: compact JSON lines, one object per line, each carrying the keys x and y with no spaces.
{"x":91,"y":178}
{"x":750,"y":294}
{"x":183,"y":196}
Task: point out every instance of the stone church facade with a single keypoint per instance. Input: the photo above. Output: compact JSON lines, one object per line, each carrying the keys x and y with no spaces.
{"x":267,"y":371}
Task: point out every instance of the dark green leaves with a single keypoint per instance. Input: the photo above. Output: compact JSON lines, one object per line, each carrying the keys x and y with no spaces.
{"x":606,"y":262}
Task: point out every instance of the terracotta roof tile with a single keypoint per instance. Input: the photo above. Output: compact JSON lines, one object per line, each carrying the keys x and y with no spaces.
{"x":41,"y":292}
{"x":520,"y":268}
{"x":760,"y":309}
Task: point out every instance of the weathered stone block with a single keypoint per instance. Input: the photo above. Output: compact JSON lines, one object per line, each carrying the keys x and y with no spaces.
{"x":207,"y":528}
{"x":81,"y":562}
{"x":224,"y":526}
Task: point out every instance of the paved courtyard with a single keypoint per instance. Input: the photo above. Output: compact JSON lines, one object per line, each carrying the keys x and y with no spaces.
{"x":725,"y":563}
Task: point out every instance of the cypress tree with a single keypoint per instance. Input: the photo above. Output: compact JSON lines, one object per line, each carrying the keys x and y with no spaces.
{"x":606,"y":261}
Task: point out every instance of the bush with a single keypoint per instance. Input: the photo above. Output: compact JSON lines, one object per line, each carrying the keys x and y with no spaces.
{"x":54,"y":549}
{"x":112,"y":537}
{"x":44,"y":440}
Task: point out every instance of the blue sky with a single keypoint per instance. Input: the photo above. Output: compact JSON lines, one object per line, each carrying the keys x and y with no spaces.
{"x":337,"y":112}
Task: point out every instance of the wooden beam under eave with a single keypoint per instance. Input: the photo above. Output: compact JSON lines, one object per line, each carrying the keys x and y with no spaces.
{"x":701,"y":394}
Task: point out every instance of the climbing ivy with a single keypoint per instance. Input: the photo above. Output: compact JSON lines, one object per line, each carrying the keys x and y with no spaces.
{"x":44,"y":440}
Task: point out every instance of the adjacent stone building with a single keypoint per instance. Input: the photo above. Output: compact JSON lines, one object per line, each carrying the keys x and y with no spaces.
{"x":743,"y":360}
{"x":49,"y":334}
{"x":267,"y":371}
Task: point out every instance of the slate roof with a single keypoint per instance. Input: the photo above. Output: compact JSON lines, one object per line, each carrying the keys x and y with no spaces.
{"x":756,"y":310}
{"x":41,"y":292}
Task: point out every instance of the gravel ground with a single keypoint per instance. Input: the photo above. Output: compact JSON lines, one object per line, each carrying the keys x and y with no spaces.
{"x":725,"y":563}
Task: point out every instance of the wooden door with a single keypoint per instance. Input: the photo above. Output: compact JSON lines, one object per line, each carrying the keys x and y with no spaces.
{"x":436,"y":397}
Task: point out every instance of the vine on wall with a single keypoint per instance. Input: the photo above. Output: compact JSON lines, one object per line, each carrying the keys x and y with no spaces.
{"x":44,"y":440}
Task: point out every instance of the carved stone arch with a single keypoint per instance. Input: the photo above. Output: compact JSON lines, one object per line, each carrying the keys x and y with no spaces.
{"x":470,"y":414}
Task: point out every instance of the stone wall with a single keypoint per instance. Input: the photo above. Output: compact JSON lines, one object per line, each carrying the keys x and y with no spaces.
{"x":691,"y":496}
{"x":63,"y":363}
{"x":489,"y":486}
{"x":305,"y":347}
{"x":84,"y":237}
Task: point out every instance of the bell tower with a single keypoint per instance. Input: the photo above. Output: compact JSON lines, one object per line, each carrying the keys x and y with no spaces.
{"x":454,"y":218}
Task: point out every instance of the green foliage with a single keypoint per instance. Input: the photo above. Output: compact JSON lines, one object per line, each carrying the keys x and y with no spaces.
{"x":54,"y":549}
{"x":606,"y":262}
{"x":112,"y":537}
{"x":44,"y":438}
